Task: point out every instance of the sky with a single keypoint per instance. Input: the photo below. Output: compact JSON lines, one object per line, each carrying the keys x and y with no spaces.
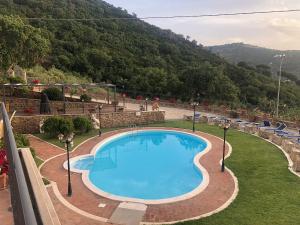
{"x":277,"y":31}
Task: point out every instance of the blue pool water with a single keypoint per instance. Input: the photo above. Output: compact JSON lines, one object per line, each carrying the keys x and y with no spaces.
{"x":148,"y":165}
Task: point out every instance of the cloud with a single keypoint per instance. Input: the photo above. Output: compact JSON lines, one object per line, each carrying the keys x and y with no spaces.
{"x":278,"y":31}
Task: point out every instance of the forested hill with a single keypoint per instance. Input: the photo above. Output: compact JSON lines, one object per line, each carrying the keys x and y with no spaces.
{"x":254,"y":55}
{"x":134,"y":54}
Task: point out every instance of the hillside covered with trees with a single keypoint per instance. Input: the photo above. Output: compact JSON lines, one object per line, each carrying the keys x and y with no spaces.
{"x":254,"y":55}
{"x":138,"y":57}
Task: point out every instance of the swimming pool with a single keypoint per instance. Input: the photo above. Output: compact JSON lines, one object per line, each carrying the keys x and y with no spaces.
{"x":151,"y":166}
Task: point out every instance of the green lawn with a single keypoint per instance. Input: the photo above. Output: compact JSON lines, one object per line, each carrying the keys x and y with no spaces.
{"x":38,"y":161}
{"x":269,"y":194}
{"x":77,"y":138}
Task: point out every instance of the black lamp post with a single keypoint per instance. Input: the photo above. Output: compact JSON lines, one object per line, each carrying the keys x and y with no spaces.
{"x":194,"y":104}
{"x":100,"y":106}
{"x":146,"y":101}
{"x":68,"y":140}
{"x":225,"y":127}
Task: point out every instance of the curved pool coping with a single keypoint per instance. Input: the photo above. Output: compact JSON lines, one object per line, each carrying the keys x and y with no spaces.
{"x":155,"y":214}
{"x":201,"y":187}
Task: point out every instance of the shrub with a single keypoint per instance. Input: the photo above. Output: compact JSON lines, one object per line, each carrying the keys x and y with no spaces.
{"x":66,"y":126}
{"x":22,"y":92}
{"x":53,"y":94}
{"x":82,"y":124}
{"x":51,"y":126}
{"x":58,"y":125}
{"x":16,"y":80}
{"x":33,"y":153}
{"x":85,"y":98}
{"x":21,"y":140}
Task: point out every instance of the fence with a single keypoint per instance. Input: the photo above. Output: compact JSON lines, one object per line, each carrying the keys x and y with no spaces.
{"x":25,"y":106}
{"x":20,"y":198}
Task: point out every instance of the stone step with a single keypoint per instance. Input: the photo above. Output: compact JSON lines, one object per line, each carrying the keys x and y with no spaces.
{"x":128,"y":213}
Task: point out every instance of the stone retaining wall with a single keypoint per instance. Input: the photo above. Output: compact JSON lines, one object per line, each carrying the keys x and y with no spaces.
{"x":31,"y":124}
{"x":32,"y":106}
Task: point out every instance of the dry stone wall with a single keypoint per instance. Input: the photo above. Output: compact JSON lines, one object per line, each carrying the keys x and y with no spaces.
{"x":31,"y":124}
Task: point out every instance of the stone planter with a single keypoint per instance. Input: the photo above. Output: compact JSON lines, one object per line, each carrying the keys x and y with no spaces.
{"x":264,"y":134}
{"x":276,"y":139}
{"x":216,"y":123}
{"x":250,"y":129}
{"x":235,"y":125}
{"x":204,"y":119}
{"x":287,"y":146}
{"x":241,"y":127}
{"x":297,"y":145}
{"x":295,"y":154}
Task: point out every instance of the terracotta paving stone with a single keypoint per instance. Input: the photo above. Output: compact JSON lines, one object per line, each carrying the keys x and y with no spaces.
{"x":6,"y":216}
{"x":69,"y":217}
{"x":43,"y":149}
{"x":219,"y":190}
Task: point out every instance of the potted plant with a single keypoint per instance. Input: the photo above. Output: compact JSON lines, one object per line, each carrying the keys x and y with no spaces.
{"x":28,"y":110}
{"x":3,"y":170}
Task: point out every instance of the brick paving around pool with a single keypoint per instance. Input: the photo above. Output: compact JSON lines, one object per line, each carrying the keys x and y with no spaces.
{"x":221,"y":190}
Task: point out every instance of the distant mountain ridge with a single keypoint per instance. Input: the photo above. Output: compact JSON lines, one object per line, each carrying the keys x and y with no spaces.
{"x":255,"y":55}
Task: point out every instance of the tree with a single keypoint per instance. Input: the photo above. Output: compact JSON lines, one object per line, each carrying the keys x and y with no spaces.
{"x":20,"y":43}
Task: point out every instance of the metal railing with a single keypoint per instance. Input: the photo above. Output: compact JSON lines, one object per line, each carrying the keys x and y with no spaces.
{"x":22,"y":206}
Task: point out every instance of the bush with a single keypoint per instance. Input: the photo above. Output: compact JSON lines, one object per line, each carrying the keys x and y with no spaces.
{"x":22,"y":92}
{"x":66,"y":126}
{"x":54,"y":126}
{"x":85,"y":98}
{"x":16,"y":80}
{"x":21,"y":141}
{"x":82,"y":125}
{"x":53,"y":94}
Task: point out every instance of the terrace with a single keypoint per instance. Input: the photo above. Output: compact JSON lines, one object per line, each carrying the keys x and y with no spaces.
{"x":271,"y":166}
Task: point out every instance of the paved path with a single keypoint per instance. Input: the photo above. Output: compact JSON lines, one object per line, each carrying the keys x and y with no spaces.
{"x":171,"y":112}
{"x":219,"y":191}
{"x":44,"y":150}
{"x":68,"y":216}
{"x":6,"y":216}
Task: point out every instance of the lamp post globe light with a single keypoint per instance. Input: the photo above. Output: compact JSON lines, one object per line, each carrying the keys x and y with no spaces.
{"x":225,"y":126}
{"x":282,"y":57}
{"x":100,"y":107}
{"x":124,"y":96}
{"x":68,"y":140}
{"x":194,"y":104}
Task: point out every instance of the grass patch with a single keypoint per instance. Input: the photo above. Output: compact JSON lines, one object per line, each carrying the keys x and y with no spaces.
{"x":46,"y":182}
{"x":38,"y":161}
{"x":77,"y":138}
{"x":269,"y":194}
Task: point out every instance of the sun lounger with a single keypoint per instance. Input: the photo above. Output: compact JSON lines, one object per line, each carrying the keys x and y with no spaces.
{"x":278,"y":129}
{"x":265,"y":124}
